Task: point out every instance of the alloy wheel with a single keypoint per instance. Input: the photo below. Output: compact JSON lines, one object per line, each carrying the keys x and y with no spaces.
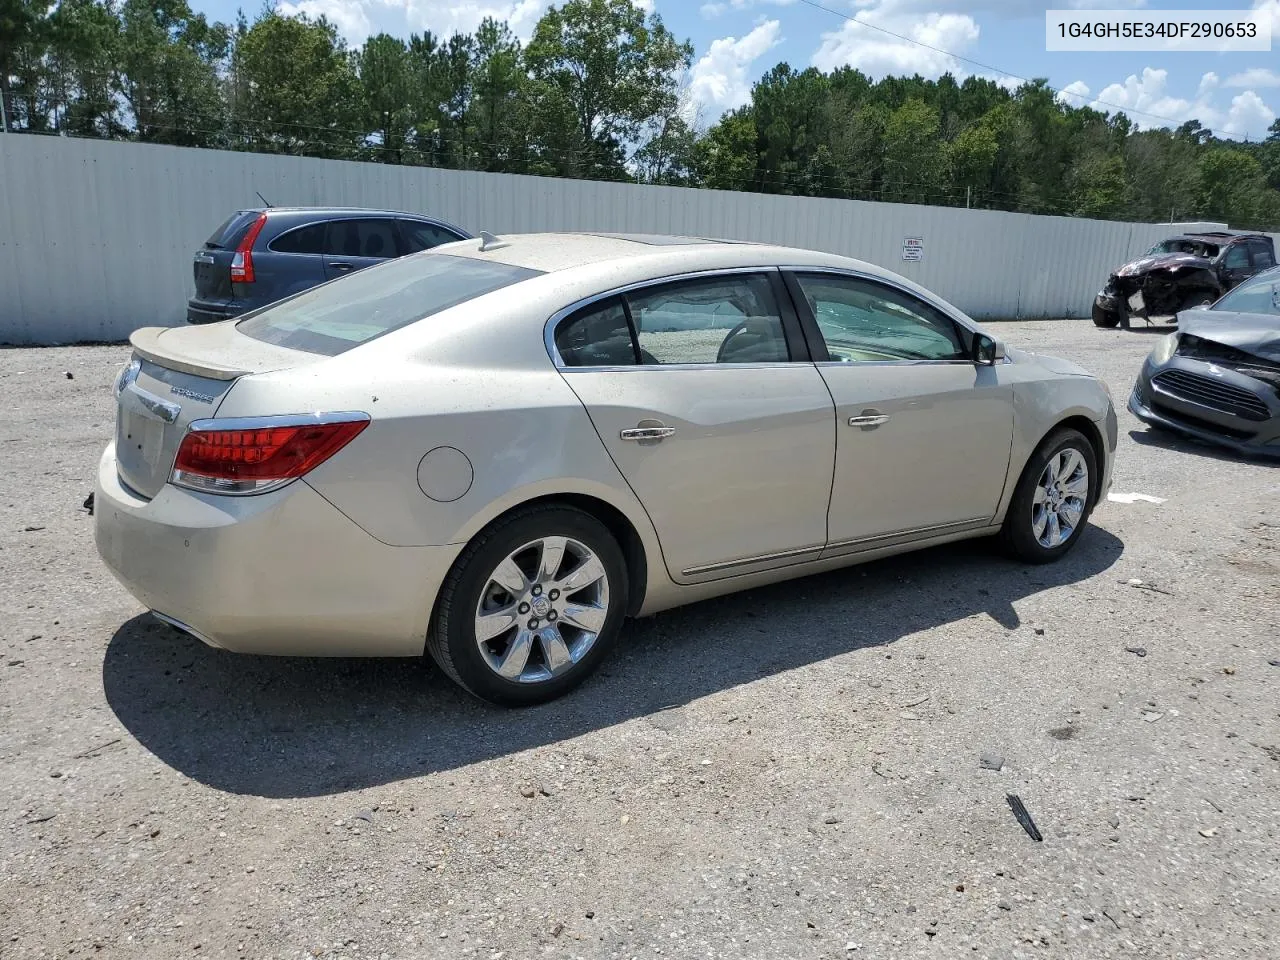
{"x":542,"y":609}
{"x":1060,"y":498}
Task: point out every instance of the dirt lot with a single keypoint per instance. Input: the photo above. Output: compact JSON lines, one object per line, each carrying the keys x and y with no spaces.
{"x":789,"y":773}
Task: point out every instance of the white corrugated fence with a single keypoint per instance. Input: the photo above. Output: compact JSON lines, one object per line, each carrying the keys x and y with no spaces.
{"x":96,"y":237}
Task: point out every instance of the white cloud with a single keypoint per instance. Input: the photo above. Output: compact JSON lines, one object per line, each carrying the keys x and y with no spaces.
{"x":1075,"y":94}
{"x":1149,"y":104}
{"x":858,"y":44}
{"x":350,"y":18}
{"x":718,"y":81}
{"x":1255,"y":77}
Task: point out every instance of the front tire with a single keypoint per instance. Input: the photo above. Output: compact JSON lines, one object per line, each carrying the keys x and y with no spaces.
{"x":531,"y":607}
{"x":1053,"y":499}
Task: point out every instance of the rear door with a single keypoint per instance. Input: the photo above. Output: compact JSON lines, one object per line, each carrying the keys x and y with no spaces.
{"x":923,"y":434}
{"x":702,"y":393}
{"x":355,"y":243}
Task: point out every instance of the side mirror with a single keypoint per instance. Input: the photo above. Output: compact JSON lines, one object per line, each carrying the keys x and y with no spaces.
{"x":987,"y":351}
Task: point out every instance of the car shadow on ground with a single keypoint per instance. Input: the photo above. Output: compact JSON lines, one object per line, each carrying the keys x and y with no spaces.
{"x":307,"y":727}
{"x":1177,"y":443}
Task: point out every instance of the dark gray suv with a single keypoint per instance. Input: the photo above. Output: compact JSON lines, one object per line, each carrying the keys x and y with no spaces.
{"x":257,"y":257}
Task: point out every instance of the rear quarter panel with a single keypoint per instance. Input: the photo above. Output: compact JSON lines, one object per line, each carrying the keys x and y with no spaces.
{"x":524,"y":432}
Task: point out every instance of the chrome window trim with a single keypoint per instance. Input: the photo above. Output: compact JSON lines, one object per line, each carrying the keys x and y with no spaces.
{"x":549,"y":328}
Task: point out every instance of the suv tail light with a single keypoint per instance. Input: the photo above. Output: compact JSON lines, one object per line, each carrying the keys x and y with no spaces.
{"x":257,"y":454}
{"x":242,"y":262}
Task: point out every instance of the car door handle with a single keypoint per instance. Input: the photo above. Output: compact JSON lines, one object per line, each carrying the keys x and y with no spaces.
{"x":341,"y":266}
{"x":647,"y":433}
{"x":868,"y":420}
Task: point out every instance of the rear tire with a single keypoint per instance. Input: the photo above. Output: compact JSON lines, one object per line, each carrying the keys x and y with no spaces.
{"x":531,"y":607}
{"x":1104,"y":319}
{"x":1050,"y":507}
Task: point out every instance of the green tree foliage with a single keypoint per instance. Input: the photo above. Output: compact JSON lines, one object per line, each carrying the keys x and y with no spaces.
{"x":597,"y":92}
{"x":614,"y":67}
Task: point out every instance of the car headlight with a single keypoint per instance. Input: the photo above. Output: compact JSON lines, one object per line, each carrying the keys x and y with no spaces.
{"x":1164,"y":349}
{"x":127,"y":375}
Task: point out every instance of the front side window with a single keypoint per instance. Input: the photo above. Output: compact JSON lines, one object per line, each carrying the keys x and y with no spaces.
{"x":861,"y":320}
{"x":335,"y":317}
{"x":374,"y":238}
{"x":1237,"y":257}
{"x":723,"y":319}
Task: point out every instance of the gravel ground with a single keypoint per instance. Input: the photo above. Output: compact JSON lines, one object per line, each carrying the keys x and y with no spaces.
{"x":789,"y":773}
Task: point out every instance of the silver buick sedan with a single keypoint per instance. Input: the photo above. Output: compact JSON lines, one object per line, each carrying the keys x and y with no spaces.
{"x":497,"y":450}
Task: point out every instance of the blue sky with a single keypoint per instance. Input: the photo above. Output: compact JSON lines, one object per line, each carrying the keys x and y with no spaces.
{"x":735,"y":41}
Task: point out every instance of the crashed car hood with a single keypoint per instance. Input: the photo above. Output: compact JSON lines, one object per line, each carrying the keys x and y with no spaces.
{"x":1256,"y":333}
{"x":1161,"y":261}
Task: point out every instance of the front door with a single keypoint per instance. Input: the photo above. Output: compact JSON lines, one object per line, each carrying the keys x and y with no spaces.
{"x":700,"y":393}
{"x":923,"y":434}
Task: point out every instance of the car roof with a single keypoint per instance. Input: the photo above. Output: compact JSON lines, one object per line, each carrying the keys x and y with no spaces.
{"x":1220,"y":236}
{"x":660,"y":254}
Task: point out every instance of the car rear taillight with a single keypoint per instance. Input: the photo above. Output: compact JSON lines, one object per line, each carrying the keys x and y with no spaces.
{"x":254,"y":455}
{"x":242,"y":261}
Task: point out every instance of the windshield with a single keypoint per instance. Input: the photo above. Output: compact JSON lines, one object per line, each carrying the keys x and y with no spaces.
{"x":337,"y":316}
{"x":1259,"y":295}
{"x":1193,"y":247}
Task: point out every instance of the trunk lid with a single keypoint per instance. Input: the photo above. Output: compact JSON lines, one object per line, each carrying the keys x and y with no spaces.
{"x":211,"y":267}
{"x":183,"y":374}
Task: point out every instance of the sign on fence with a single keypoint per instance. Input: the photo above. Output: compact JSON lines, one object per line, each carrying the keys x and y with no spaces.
{"x":913,"y":249}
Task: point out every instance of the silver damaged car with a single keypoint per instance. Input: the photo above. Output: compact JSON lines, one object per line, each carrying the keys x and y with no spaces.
{"x":497,"y":450}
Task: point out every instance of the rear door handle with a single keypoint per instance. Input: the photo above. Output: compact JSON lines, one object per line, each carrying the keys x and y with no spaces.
{"x":340,"y":266}
{"x":868,"y":420}
{"x":647,"y":433}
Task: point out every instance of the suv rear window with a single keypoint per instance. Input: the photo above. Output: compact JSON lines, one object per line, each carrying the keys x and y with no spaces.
{"x":231,"y":230}
{"x":337,"y":316}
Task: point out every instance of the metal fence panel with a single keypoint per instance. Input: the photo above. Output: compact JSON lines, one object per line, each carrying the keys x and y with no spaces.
{"x":96,"y":237}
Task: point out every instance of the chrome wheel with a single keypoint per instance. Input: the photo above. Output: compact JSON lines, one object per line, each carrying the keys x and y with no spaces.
{"x":1061,"y":494}
{"x":542,"y":609}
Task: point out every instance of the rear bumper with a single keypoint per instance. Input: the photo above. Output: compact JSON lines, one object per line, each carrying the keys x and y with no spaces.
{"x":203,"y":311}
{"x":1247,"y":437}
{"x":284,"y":573}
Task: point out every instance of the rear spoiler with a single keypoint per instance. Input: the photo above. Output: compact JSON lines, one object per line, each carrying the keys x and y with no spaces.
{"x":146,"y":343}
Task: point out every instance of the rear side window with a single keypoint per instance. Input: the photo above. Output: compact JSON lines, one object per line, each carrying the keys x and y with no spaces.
{"x":308,"y":239}
{"x":1263,"y":258}
{"x":597,"y":336}
{"x":231,"y":229}
{"x":361,"y":238}
{"x":423,"y":236}
{"x":335,"y":317}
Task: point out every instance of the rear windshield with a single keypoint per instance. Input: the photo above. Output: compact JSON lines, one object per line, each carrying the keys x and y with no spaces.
{"x":1259,"y":295}
{"x":229,"y":232}
{"x":346,"y":313}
